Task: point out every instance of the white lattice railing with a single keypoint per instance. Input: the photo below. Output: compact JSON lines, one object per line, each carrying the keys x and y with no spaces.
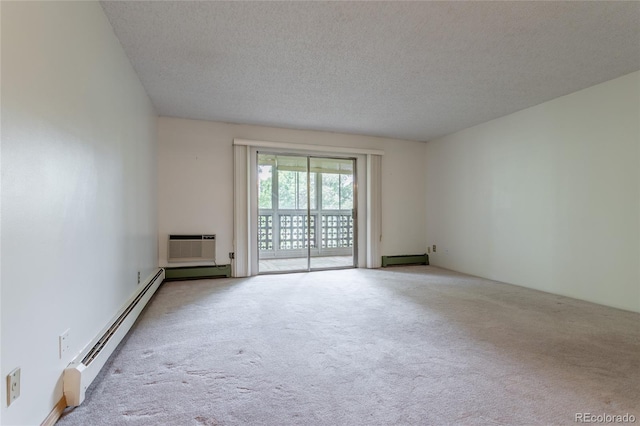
{"x":284,"y":233}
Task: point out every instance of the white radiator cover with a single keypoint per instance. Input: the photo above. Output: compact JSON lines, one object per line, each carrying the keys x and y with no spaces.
{"x":86,"y":366}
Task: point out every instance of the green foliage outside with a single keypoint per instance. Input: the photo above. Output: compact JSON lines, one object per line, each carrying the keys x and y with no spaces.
{"x":337,"y":190}
{"x":264,"y":186}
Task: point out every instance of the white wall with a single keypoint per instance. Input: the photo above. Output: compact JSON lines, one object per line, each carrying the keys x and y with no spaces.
{"x":546,"y":198}
{"x":196,"y":181}
{"x":78,"y":190}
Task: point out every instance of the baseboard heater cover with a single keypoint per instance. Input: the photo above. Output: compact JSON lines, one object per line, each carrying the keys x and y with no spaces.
{"x":197,"y":272}
{"x":405,"y":259}
{"x":85,"y":367}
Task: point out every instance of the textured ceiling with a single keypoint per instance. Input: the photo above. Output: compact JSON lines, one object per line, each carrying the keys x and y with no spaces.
{"x":410,"y":70}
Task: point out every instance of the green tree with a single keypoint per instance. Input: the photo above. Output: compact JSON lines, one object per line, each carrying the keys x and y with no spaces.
{"x":265,"y":182}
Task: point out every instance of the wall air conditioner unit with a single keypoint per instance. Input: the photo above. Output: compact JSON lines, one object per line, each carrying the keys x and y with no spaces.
{"x":192,"y":248}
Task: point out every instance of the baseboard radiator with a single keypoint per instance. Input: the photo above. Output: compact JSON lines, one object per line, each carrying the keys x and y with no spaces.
{"x":197,"y":272}
{"x":405,"y":259}
{"x":86,"y":366}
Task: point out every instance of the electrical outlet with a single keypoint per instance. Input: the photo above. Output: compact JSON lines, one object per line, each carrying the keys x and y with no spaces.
{"x":63,"y":343}
{"x":428,"y":250}
{"x":434,"y":248}
{"x":138,"y":277}
{"x":13,"y":386}
{"x":232,"y":255}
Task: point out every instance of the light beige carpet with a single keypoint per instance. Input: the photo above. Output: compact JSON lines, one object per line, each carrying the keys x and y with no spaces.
{"x":412,"y":345}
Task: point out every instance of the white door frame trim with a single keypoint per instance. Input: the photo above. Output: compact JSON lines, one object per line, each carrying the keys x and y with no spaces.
{"x":305,"y":147}
{"x":369,"y":166}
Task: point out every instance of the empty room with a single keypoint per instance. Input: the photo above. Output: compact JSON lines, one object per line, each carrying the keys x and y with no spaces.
{"x":319,"y":213}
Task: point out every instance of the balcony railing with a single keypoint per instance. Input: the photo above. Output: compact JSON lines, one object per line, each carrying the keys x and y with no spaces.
{"x":284,"y":233}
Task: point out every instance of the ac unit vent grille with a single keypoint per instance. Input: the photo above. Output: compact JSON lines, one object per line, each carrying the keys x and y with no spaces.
{"x":192,"y":248}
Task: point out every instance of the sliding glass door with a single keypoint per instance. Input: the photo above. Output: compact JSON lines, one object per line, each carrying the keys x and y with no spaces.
{"x":334,"y":181}
{"x":306,"y":213}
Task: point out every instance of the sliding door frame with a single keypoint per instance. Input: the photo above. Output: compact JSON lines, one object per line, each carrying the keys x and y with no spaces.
{"x":245,"y":232}
{"x":316,"y":212}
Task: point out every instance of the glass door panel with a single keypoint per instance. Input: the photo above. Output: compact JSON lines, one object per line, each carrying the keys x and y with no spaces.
{"x":335,"y":224}
{"x":283,"y":220}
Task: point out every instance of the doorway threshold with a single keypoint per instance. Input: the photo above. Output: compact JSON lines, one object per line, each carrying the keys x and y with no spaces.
{"x":300,"y":264}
